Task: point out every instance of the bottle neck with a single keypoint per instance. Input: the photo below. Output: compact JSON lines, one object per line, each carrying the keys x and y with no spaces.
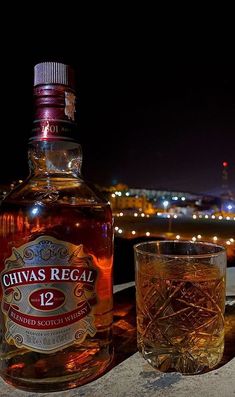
{"x":53,"y":148}
{"x":55,"y":158}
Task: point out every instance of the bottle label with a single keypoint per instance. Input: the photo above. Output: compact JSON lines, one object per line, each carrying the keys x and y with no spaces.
{"x":55,"y":115}
{"x":69,"y":109}
{"x":56,"y":130}
{"x":48,"y":295}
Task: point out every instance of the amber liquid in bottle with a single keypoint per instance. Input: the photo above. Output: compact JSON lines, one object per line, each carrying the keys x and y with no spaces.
{"x":54,"y":224}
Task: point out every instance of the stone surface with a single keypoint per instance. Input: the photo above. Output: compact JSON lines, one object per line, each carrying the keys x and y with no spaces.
{"x":135,"y":378}
{"x":230,"y":281}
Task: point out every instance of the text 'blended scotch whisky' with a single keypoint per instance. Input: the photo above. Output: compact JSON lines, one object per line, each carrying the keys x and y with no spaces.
{"x":56,"y":247}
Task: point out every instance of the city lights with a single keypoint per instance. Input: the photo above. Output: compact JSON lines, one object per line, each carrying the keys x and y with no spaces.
{"x":165,"y":204}
{"x":175,"y":216}
{"x":229,"y":242}
{"x":169,"y":217}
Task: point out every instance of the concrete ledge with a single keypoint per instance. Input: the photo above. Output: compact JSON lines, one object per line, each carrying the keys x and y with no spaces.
{"x":136,"y":378}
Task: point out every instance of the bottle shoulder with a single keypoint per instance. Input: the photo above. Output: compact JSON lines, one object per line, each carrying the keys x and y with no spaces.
{"x":59,"y":190}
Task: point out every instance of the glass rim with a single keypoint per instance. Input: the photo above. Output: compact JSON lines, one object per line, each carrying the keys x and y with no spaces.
{"x":221,"y":248}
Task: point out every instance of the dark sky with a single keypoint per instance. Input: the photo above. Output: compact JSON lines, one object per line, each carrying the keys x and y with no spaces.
{"x":152,"y":117}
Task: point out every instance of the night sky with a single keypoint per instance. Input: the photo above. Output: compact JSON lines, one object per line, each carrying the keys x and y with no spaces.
{"x":147,"y":117}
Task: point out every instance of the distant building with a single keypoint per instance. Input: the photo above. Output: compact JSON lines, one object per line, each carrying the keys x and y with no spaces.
{"x":139,"y":203}
{"x":151,"y":200}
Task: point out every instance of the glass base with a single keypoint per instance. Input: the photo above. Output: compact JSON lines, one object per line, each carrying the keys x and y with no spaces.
{"x":187,"y":363}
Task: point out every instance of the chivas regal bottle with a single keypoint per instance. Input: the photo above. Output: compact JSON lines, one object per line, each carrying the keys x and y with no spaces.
{"x":56,"y":246}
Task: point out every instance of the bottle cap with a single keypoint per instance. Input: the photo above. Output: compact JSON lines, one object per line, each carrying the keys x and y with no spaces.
{"x":53,"y":73}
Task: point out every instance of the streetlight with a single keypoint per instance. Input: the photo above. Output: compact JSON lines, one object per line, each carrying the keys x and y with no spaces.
{"x":165,"y":204}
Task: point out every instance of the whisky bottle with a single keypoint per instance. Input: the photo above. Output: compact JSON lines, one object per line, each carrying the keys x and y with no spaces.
{"x":56,"y":247}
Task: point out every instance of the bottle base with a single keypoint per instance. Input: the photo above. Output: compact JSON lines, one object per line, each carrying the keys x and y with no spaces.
{"x":59,"y":383}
